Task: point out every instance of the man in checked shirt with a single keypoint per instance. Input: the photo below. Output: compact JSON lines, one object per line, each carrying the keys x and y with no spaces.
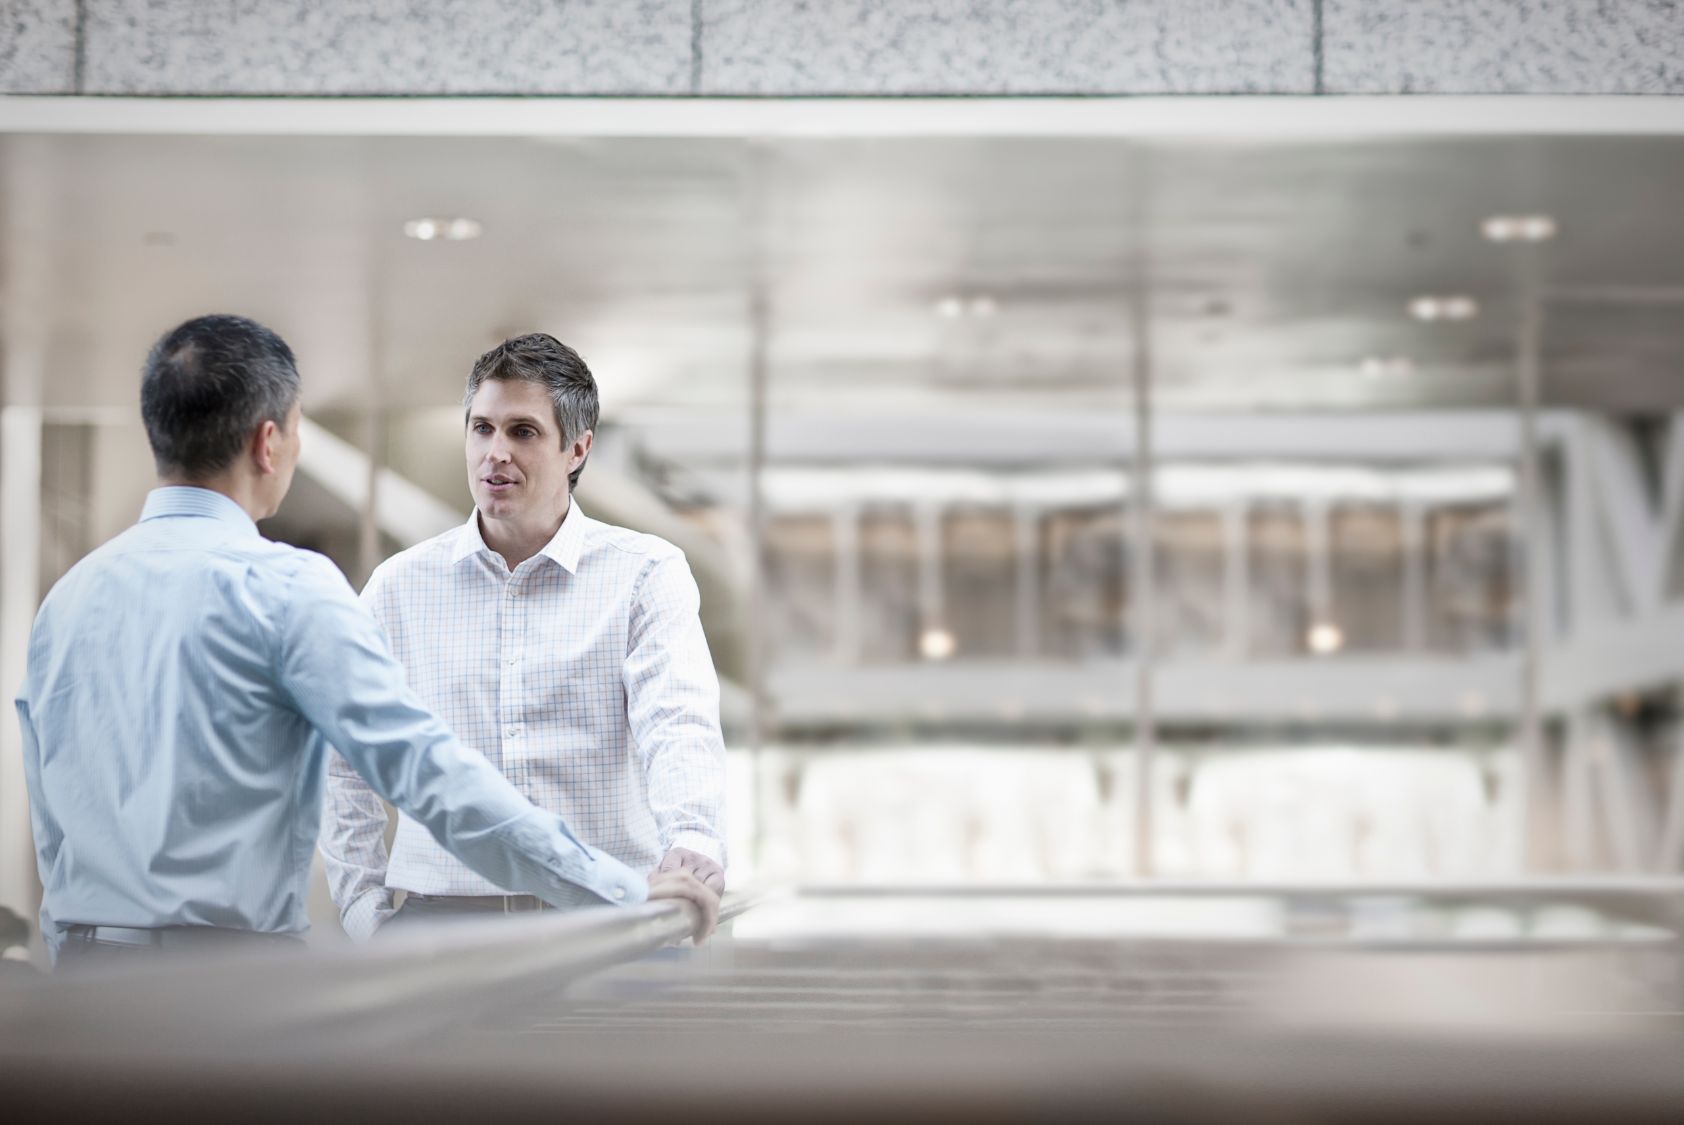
{"x":568,"y":651}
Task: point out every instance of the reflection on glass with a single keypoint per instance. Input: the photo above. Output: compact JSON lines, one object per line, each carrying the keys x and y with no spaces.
{"x":1189,"y":607}
{"x":66,"y":492}
{"x":949,"y":811}
{"x":1367,"y":562}
{"x":891,"y":616}
{"x":1469,"y":580}
{"x":1279,"y":614}
{"x":801,"y":577}
{"x":1084,"y":587}
{"x":979,"y":581}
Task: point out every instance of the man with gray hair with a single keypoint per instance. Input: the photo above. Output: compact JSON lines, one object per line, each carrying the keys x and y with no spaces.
{"x":185,"y":680}
{"x":568,"y":651}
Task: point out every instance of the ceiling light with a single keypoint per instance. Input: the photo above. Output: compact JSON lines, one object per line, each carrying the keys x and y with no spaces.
{"x":449,"y":229}
{"x":1324,"y":638}
{"x":936,"y":644}
{"x":1518,"y":228}
{"x":1386,"y":367}
{"x":954,"y":307}
{"x":1456,"y":307}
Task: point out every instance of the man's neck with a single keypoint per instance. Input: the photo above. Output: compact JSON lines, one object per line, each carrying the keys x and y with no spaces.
{"x":235,"y":486}
{"x":518,"y":543}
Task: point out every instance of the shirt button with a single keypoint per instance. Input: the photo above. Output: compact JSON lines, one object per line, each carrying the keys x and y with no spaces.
{"x":511,"y":732}
{"x":511,"y":660}
{"x":619,"y":893}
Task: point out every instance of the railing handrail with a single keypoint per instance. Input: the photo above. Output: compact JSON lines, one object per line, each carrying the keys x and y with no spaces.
{"x":1543,"y":886}
{"x":392,"y":989}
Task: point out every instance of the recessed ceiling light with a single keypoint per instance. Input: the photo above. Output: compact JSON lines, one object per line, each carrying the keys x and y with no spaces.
{"x":450,"y":229}
{"x":1387,"y":367}
{"x":936,"y":644}
{"x":1454,"y":307}
{"x":1325,"y":637}
{"x":954,"y":307}
{"x":1518,"y":228}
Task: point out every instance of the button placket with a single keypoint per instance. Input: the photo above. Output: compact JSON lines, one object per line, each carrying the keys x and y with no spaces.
{"x":511,"y":637}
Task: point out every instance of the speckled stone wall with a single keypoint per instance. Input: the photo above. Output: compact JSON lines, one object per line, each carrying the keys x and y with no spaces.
{"x":840,"y":47}
{"x":386,"y":47}
{"x":1507,"y":47}
{"x":1007,"y":47}
{"x":37,"y":46}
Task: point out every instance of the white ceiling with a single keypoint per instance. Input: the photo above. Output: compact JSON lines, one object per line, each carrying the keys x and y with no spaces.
{"x":1273,"y":268}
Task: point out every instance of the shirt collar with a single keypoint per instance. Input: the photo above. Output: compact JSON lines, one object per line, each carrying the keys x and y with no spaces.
{"x":188,"y":500}
{"x":564,"y":548}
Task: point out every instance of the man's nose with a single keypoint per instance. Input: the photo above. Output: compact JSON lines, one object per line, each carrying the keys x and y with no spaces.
{"x":499,"y":450}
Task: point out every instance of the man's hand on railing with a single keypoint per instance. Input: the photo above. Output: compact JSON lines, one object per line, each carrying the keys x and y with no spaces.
{"x":705,"y":869}
{"x":683,"y":885}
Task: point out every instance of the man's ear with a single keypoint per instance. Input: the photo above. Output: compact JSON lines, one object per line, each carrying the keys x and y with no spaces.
{"x":263,"y":447}
{"x":581,"y":450}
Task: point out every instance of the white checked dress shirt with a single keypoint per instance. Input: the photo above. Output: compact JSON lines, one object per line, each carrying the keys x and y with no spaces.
{"x":583,"y":675}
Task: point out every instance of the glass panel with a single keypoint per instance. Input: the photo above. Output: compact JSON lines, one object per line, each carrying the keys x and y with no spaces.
{"x":1189,"y":576}
{"x":1084,"y":583}
{"x":1470,"y":574}
{"x":979,"y":581}
{"x":67,"y":497}
{"x":1367,"y":559}
{"x":801,"y":582}
{"x":1278,"y":612}
{"x":889,"y":562}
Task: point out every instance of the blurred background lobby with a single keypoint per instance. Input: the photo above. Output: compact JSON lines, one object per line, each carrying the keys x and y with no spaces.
{"x":1162,"y":478}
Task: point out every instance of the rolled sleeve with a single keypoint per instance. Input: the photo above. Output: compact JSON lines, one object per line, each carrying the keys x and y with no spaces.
{"x":701,"y":843}
{"x":366,"y":913}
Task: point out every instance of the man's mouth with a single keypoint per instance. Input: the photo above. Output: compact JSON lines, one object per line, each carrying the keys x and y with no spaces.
{"x":499,"y":483}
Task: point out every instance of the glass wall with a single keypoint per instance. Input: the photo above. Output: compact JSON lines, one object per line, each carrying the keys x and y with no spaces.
{"x":883,"y":394}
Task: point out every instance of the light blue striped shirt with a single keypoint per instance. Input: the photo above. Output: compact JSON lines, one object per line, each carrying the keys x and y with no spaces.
{"x":185,"y":681}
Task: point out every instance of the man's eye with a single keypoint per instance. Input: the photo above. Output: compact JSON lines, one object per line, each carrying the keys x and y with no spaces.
{"x":481,"y":428}
{"x":525,"y":432}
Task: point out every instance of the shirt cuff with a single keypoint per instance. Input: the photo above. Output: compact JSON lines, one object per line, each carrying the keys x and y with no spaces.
{"x":575,"y":874}
{"x":367,"y":913}
{"x":699,"y":842}
{"x":610,"y":881}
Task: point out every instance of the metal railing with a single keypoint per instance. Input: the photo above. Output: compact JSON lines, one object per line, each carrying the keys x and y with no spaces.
{"x":1654,"y":900}
{"x":495,"y":1018}
{"x":405,"y":986}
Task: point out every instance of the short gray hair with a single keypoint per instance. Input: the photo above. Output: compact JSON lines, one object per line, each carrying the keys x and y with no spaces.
{"x":541,"y":358}
{"x":207,"y":385}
